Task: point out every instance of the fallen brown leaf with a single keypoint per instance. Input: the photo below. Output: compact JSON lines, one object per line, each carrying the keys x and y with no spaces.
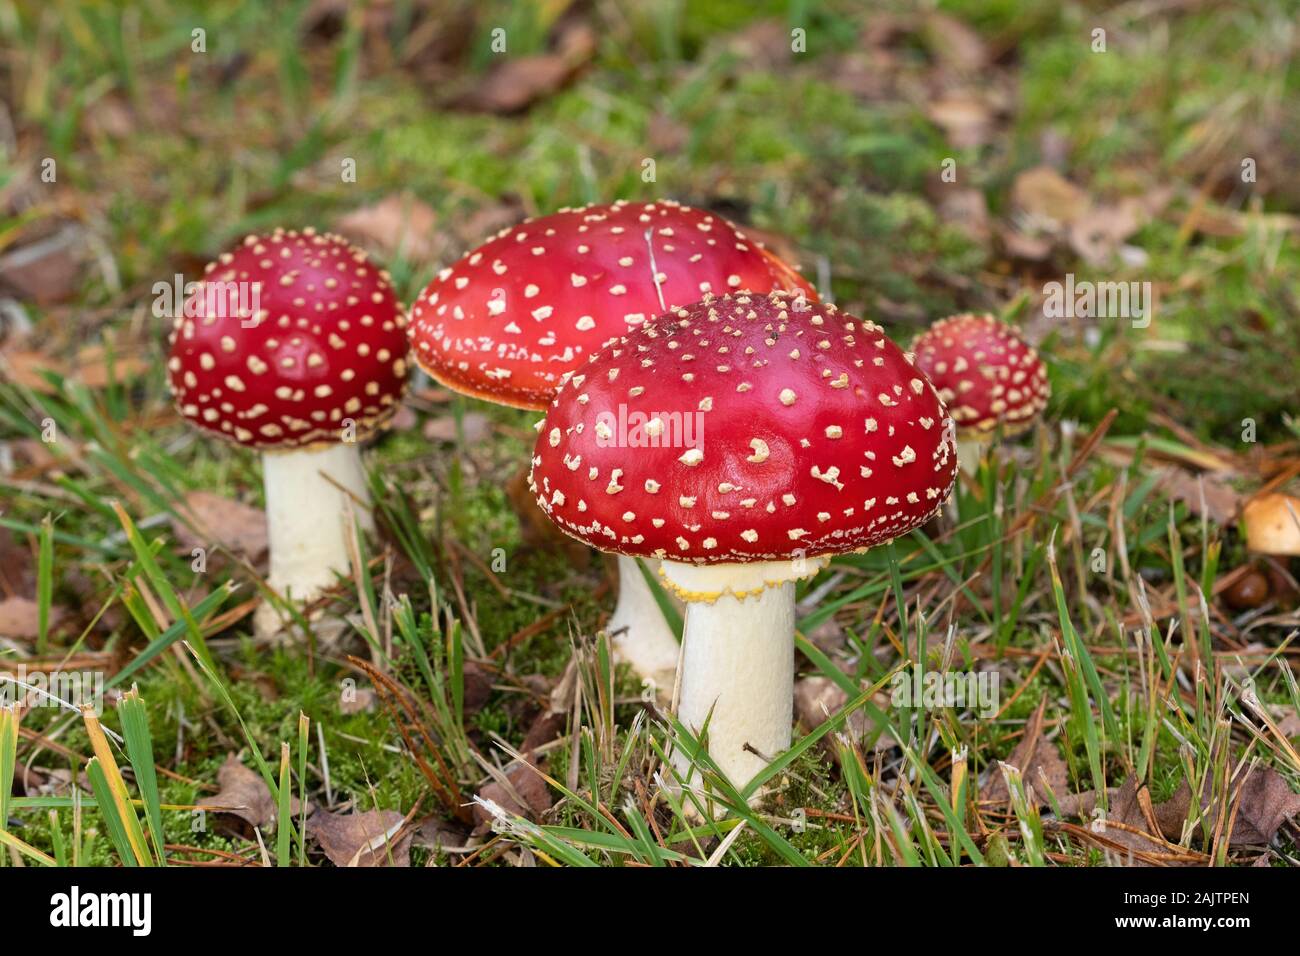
{"x":964,"y":117}
{"x":91,"y":368}
{"x":1266,"y":803}
{"x":30,"y":453}
{"x":1036,"y":757}
{"x":245,"y":795}
{"x":765,"y":43}
{"x":435,"y":833}
{"x":266,"y":685}
{"x":47,"y":781}
{"x":966,"y":209}
{"x":24,"y":367}
{"x":45,"y":271}
{"x":1219,"y":501}
{"x":19,"y":619}
{"x":487,"y":220}
{"x":818,"y":698}
{"x":404,"y":419}
{"x":443,"y":428}
{"x":868,"y":75}
{"x":1131,"y":806}
{"x":95,"y":367}
{"x":360,"y":701}
{"x":238,"y":527}
{"x":665,"y":135}
{"x":524,"y":708}
{"x":953,"y":43}
{"x":368,"y":838}
{"x":1096,"y":235}
{"x":830,"y":638}
{"x":397,"y":225}
{"x":478,"y":686}
{"x":546,"y":726}
{"x":1082,"y":804}
{"x":17,"y":568}
{"x":109,"y":116}
{"x":1043,"y":193}
{"x":518,"y":82}
{"x":527,"y":794}
{"x":1020,"y":245}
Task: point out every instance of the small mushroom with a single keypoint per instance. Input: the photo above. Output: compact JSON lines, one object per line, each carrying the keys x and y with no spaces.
{"x":516,"y":314}
{"x":1272,"y":523}
{"x":988,"y":377}
{"x":811,"y":435}
{"x":294,"y":345}
{"x":1272,"y":526}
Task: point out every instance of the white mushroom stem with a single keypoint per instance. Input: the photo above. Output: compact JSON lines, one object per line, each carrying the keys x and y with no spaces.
{"x":312,"y":495}
{"x":971,"y":450}
{"x":646,"y":642}
{"x":738,"y":660}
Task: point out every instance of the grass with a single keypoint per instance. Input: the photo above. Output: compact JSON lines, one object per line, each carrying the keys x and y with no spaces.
{"x":1066,"y":568}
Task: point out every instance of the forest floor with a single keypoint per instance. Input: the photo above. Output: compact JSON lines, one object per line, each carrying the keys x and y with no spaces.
{"x":915,"y":162}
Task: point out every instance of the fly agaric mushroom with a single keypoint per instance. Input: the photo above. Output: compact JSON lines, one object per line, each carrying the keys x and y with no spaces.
{"x":812,"y":435}
{"x":513,"y":316}
{"x":294,"y":345}
{"x":988,"y":377}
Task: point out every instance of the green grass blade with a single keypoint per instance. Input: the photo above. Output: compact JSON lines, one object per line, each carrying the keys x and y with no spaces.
{"x":9,"y":717}
{"x":833,"y":722}
{"x":44,"y":584}
{"x":670,"y":612}
{"x":108,"y":810}
{"x":283,"y":819}
{"x":57,"y":839}
{"x":120,"y":808}
{"x":139,"y":750}
{"x":304,"y":724}
{"x":173,"y":634}
{"x":8,"y":839}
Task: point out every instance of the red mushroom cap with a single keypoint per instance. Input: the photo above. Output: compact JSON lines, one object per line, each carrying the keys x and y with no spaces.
{"x":307,"y":338}
{"x":511,"y":317}
{"x":741,"y":429}
{"x":986,"y":374}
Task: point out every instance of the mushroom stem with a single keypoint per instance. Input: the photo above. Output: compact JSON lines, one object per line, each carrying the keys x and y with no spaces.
{"x":970,"y":452}
{"x":647,"y":643}
{"x":311,"y":497}
{"x":738,"y":660}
